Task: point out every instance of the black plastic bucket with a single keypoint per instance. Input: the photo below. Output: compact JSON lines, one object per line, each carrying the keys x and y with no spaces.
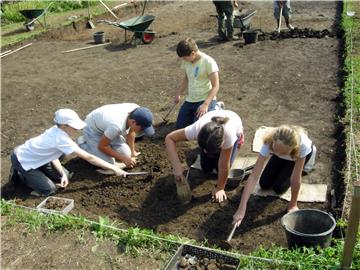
{"x":250,"y":36}
{"x":99,"y":37}
{"x":308,"y":227}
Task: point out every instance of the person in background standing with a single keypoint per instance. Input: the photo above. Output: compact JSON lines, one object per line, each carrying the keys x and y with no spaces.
{"x":225,"y":8}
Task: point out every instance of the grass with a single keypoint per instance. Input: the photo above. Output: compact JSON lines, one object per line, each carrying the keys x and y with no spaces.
{"x":12,"y":33}
{"x":351,"y":92}
{"x":134,"y":239}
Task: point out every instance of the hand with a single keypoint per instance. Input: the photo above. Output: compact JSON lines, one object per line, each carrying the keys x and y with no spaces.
{"x":292,"y":208}
{"x":241,"y":141}
{"x":219,"y":195}
{"x":177,"y":99}
{"x":64,"y":181}
{"x":135,"y":153}
{"x":119,"y":172}
{"x":237,"y":218}
{"x":179,"y":176}
{"x":130,"y":162}
{"x":202,"y":110}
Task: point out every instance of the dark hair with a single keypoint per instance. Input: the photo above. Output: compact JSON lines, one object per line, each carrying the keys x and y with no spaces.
{"x":186,"y":47}
{"x":211,"y":135}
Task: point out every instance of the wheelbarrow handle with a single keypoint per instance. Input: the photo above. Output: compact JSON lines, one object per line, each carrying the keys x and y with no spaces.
{"x":44,"y":12}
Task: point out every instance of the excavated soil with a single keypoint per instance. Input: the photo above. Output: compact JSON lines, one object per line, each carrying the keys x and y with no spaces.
{"x":292,"y":80}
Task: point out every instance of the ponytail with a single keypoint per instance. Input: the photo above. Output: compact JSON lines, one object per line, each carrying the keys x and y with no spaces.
{"x":211,"y":135}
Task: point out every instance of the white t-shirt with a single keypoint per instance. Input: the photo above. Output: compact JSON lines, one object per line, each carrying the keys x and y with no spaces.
{"x":305,"y":148}
{"x":232,"y":128}
{"x":49,"y":146}
{"x":198,"y":73}
{"x":110,"y":120}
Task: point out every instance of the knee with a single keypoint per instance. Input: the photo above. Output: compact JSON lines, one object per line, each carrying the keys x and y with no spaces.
{"x":265,"y":184}
{"x":280,"y":189}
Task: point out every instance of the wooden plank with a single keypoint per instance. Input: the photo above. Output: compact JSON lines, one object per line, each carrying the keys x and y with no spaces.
{"x":85,"y":48}
{"x":18,"y":49}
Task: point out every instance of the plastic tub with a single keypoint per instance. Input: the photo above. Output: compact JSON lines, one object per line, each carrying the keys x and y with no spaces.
{"x":308,"y":227}
{"x":68,"y":205}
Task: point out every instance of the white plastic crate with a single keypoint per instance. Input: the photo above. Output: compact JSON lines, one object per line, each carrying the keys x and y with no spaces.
{"x":69,"y":206}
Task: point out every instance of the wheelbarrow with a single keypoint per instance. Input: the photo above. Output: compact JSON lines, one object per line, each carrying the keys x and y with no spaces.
{"x":33,"y":15}
{"x":242,"y":20}
{"x":139,"y":26}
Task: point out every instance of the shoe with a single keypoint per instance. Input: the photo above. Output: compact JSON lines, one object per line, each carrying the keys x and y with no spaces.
{"x":233,"y":38}
{"x":221,"y":105}
{"x":35,"y":193}
{"x":80,"y":140}
{"x":290,"y":27}
{"x":222,"y":39}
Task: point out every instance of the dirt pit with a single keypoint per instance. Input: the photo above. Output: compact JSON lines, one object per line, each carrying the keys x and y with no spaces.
{"x":272,"y":82}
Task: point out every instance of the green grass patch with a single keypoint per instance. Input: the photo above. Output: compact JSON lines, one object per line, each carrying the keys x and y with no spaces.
{"x":13,"y":31}
{"x":134,"y":239}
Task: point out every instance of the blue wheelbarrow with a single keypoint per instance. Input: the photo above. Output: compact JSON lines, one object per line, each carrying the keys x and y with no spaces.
{"x":137,"y":25}
{"x":33,"y":15}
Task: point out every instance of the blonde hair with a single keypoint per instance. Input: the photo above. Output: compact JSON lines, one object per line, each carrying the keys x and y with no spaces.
{"x":288,"y":136}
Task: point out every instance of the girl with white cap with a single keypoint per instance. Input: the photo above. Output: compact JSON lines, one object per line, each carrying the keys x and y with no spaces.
{"x":36,"y":162}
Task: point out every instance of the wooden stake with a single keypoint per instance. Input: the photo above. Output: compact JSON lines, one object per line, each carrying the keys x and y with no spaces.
{"x":18,"y":49}
{"x":119,"y":6}
{"x":112,"y":13}
{"x":85,"y":48}
{"x":5,"y":52}
{"x":352,"y":229}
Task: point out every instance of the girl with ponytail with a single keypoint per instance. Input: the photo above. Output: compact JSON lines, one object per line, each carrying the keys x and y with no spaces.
{"x":290,"y":153}
{"x":219,"y":135}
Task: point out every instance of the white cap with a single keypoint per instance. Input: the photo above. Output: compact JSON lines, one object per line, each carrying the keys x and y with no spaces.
{"x":69,"y":117}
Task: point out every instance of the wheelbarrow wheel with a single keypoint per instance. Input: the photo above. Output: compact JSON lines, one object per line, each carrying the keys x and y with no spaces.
{"x":147,"y":38}
{"x":30,"y":27}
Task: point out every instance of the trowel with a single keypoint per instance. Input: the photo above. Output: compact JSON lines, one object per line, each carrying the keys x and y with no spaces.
{"x":165,"y":120}
{"x":226,"y":244}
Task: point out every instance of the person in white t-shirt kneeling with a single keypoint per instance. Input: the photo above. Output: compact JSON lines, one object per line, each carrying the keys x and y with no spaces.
{"x":36,"y":162}
{"x":290,"y":153}
{"x":219,"y":135}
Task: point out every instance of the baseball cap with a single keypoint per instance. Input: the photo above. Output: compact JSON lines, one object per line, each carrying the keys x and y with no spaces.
{"x":144,"y":118}
{"x":69,"y":117}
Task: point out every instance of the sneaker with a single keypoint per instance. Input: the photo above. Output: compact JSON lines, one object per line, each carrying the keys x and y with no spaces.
{"x":221,"y":105}
{"x":233,"y":38}
{"x":35,"y":193}
{"x":80,"y":140}
{"x":222,"y":39}
{"x":290,"y":27}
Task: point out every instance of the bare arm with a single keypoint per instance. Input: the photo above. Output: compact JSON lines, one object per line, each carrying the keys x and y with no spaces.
{"x":104,"y":146}
{"x":248,"y":189}
{"x":181,"y":90}
{"x":223,"y":166}
{"x":64,"y":180}
{"x":295,"y":181}
{"x":170,"y":142}
{"x":214,"y":79}
{"x":98,"y":161}
{"x":130,"y":139}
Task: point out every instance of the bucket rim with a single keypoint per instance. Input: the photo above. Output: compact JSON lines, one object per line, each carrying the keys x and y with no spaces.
{"x":306,"y":234}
